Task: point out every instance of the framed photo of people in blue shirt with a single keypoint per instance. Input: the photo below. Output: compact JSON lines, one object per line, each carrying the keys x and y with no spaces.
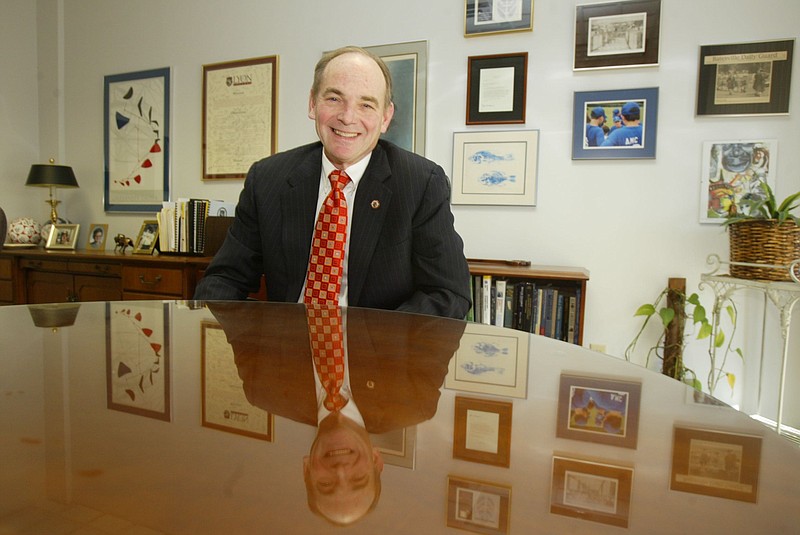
{"x":615,"y":124}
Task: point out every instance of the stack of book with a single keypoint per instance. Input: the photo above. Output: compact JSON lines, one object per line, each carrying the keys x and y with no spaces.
{"x":182,"y":226}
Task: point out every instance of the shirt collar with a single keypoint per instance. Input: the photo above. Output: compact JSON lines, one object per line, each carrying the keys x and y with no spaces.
{"x":355,"y":171}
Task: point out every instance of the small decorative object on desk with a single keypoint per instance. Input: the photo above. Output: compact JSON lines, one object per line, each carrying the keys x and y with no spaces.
{"x":2,"y":227}
{"x":122,"y":242}
{"x":24,"y":230}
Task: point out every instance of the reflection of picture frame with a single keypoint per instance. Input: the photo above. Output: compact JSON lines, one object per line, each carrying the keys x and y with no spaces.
{"x":490,"y":360}
{"x":590,"y":490}
{"x":408,"y":64}
{"x":478,"y":506}
{"x":617,"y":34}
{"x":62,"y":236}
{"x":745,"y":79}
{"x":497,"y":167}
{"x":398,"y":446}
{"x":136,"y":128}
{"x":604,"y":411}
{"x":137,"y":359}
{"x":732,"y":173}
{"x":483,"y":17}
{"x":497,"y":88}
{"x":716,"y":463}
{"x":240,"y":109}
{"x":225,"y":405}
{"x":96,"y":240}
{"x":482,"y":431}
{"x":148,"y":237}
{"x":630,"y":140}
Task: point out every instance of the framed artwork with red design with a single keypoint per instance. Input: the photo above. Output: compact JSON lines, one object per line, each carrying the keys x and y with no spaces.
{"x":137,"y":358}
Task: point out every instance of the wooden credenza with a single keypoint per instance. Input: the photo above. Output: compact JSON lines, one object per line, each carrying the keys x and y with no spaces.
{"x":31,"y":276}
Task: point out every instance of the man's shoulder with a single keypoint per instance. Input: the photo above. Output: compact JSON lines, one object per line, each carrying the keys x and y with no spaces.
{"x":297,"y":153}
{"x":394,"y":154}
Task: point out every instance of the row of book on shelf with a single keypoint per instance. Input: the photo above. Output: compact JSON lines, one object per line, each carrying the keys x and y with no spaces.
{"x":183,"y":224}
{"x":527,"y":305}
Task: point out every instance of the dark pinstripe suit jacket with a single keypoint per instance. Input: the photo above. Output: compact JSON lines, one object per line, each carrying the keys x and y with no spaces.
{"x":404,"y":251}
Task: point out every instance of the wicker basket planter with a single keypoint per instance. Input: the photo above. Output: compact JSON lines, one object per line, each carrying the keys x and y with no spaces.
{"x":763,"y":241}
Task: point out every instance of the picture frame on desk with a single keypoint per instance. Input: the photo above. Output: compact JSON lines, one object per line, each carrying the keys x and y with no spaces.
{"x":62,"y":236}
{"x":478,"y":506}
{"x":496,"y":88}
{"x":96,"y":240}
{"x":482,"y":431}
{"x":482,"y":17}
{"x":147,"y":238}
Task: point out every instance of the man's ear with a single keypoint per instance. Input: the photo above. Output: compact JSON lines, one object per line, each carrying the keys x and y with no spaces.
{"x":388,"y":113}
{"x":306,"y":464}
{"x":312,"y":109}
{"x":377,"y":459}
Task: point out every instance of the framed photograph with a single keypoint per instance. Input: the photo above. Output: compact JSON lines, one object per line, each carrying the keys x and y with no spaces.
{"x":96,"y":241}
{"x":398,"y":446}
{"x":225,"y":405}
{"x":498,"y":167}
{"x":745,"y":79}
{"x":482,"y":431}
{"x":716,"y":463}
{"x":603,"y":411}
{"x":478,"y":506}
{"x":483,"y":17}
{"x":616,"y":124}
{"x":408,"y":64}
{"x":240,"y":115}
{"x":62,"y":236}
{"x":617,"y":34}
{"x":490,"y":360}
{"x":147,"y":238}
{"x":136,"y":132}
{"x":137,"y":358}
{"x":733,"y":171}
{"x":497,"y":88}
{"x":595,"y":491}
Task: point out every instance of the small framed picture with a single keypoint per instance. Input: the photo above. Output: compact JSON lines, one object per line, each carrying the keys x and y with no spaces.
{"x":483,"y":17}
{"x":604,"y":411}
{"x":497,"y":167}
{"x":62,"y":236}
{"x":398,"y":446}
{"x":478,"y":506}
{"x":616,"y":124}
{"x":146,"y":240}
{"x":733,"y":171}
{"x":482,"y":431}
{"x":96,"y":240}
{"x":745,"y":79}
{"x":617,"y":34}
{"x":496,"y":88}
{"x":595,"y":491}
{"x":716,"y":463}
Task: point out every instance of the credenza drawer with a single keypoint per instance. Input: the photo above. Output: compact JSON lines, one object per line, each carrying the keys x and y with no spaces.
{"x":43,"y":265}
{"x":5,"y":268}
{"x":152,"y":280}
{"x":95,"y":268}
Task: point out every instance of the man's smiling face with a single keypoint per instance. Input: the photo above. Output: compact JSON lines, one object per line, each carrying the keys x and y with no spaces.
{"x":349,"y":110}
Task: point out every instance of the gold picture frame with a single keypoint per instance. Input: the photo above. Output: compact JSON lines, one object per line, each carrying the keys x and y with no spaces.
{"x":62,"y":236}
{"x":96,"y":240}
{"x":482,"y":431}
{"x":478,"y":506}
{"x":148,"y":237}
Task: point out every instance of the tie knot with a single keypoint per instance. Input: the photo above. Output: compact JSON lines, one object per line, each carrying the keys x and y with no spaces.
{"x":339,"y":179}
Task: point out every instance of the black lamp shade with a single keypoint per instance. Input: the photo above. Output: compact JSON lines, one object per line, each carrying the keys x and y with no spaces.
{"x":45,"y":175}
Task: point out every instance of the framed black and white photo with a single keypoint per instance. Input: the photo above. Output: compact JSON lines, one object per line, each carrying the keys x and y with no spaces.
{"x":483,"y":17}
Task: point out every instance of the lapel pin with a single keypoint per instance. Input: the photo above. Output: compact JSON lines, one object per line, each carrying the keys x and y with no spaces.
{"x":371,"y":384}
{"x":375,"y":204}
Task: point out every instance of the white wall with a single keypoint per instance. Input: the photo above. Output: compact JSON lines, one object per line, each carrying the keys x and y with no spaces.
{"x":632,"y":223}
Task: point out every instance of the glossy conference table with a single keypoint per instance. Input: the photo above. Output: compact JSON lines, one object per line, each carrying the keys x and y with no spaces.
{"x":196,"y":418}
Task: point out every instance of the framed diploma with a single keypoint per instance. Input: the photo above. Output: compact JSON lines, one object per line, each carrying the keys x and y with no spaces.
{"x":240,"y":103}
{"x":482,"y":431}
{"x":496,"y":88}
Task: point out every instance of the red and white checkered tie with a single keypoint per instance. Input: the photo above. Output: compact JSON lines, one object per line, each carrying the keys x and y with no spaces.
{"x":327,"y":347}
{"x":324,"y":277}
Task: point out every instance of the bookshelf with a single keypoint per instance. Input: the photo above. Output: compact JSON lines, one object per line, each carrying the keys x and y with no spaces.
{"x":547,"y":300}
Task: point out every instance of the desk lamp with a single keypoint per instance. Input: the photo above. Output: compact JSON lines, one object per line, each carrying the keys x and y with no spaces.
{"x":52,"y":176}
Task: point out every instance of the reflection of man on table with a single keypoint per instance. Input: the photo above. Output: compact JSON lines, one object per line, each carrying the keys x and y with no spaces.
{"x":395,"y":365}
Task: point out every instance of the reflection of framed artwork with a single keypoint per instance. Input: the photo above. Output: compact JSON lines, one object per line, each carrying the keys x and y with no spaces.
{"x":62,"y":236}
{"x":136,"y":127}
{"x":397,"y":447}
{"x":716,"y":463}
{"x":497,"y":88}
{"x":147,"y":238}
{"x":497,"y":167}
{"x":482,"y":17}
{"x":745,"y":79}
{"x":630,"y":116}
{"x":240,"y":115}
{"x":478,"y":506}
{"x":96,"y":241}
{"x":732,"y":175}
{"x":617,"y":34}
{"x":408,"y":64}
{"x":137,"y":359}
{"x":482,"y":431}
{"x":605,"y":411}
{"x":225,"y":405}
{"x":490,"y":360}
{"x":593,"y":491}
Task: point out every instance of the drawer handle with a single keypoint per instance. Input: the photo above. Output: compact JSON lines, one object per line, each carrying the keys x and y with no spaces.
{"x":101,"y":268}
{"x":158,"y":279}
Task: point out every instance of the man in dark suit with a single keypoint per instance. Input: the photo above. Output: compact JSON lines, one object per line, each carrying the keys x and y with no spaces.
{"x":402,"y":252}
